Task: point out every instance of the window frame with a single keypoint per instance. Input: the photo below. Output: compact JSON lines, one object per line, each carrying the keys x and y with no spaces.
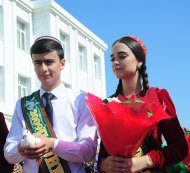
{"x":21,"y":35}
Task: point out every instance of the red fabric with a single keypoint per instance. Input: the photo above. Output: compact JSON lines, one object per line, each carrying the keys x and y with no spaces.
{"x":5,"y":167}
{"x":176,"y":148}
{"x":166,"y":101}
{"x":115,"y":118}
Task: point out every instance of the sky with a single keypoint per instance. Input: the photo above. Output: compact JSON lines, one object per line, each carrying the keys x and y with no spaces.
{"x":163,"y":26}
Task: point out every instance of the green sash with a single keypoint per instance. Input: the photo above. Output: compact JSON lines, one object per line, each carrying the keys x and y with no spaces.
{"x":37,"y":122}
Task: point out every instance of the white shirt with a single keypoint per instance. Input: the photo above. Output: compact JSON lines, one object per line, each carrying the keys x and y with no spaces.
{"x":72,"y":124}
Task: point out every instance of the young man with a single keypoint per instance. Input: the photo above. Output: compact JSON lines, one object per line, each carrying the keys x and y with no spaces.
{"x":68,"y":136}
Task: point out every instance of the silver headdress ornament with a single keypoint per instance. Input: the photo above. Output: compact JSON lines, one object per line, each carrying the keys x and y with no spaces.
{"x":47,"y":38}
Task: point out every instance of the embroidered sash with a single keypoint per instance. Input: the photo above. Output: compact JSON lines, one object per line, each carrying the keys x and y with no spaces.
{"x":37,"y":122}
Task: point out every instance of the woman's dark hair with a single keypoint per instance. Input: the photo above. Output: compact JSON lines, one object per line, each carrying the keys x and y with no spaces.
{"x":47,"y":44}
{"x":140,"y":54}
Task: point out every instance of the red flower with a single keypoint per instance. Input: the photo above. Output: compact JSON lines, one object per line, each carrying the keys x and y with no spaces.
{"x":123,"y":126}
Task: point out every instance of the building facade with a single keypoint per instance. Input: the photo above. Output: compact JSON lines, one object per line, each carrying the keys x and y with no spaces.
{"x":21,"y":22}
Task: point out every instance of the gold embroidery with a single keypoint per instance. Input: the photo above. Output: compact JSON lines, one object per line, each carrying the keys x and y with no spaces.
{"x":52,"y":163}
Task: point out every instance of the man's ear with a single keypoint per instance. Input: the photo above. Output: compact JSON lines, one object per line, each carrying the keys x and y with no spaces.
{"x":62,"y":64}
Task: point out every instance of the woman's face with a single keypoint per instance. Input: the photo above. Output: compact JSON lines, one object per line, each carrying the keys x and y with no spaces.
{"x":124,"y":62}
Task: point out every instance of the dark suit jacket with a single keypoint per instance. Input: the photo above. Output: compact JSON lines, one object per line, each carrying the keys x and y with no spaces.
{"x":5,"y":167}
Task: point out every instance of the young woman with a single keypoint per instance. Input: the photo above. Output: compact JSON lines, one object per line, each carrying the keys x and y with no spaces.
{"x":128,"y":59}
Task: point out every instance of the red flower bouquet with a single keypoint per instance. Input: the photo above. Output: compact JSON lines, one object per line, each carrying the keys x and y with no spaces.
{"x":124,"y":124}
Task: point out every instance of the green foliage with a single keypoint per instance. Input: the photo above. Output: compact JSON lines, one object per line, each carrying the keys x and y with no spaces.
{"x":178,"y":168}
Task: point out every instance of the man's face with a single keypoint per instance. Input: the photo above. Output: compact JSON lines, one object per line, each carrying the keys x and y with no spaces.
{"x":48,"y":68}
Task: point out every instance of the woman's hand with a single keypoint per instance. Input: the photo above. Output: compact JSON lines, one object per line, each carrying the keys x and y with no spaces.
{"x":141,"y":163}
{"x":113,"y":164}
{"x":36,"y":151}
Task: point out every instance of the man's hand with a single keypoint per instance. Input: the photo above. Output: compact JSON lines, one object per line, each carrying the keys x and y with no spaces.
{"x":36,"y":151}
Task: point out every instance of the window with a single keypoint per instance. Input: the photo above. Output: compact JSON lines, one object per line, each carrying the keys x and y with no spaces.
{"x":97,"y":67}
{"x":2,"y":84}
{"x":82,"y":58}
{"x":21,"y":35}
{"x":23,"y":86}
{"x":65,"y":44}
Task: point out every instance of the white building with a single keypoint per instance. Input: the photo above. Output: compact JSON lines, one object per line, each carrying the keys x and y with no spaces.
{"x":21,"y":22}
